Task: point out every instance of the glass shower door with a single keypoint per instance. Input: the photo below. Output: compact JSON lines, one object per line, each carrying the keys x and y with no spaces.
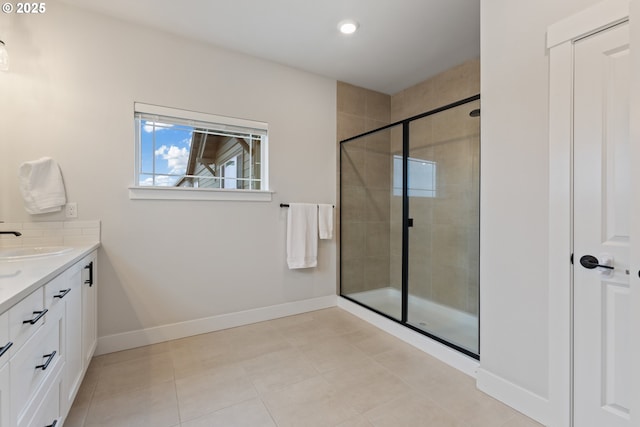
{"x":444,"y":240}
{"x":371,"y":222}
{"x":410,"y":222}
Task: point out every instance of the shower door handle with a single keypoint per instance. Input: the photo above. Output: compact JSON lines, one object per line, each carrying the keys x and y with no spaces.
{"x":410,"y":222}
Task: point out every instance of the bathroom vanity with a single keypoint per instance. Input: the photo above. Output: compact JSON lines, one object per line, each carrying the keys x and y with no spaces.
{"x":48,"y":334}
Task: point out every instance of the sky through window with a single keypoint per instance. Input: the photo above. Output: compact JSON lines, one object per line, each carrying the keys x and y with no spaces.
{"x":164,"y":152}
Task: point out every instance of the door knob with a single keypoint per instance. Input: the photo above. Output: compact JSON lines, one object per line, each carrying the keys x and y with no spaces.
{"x":591,"y":262}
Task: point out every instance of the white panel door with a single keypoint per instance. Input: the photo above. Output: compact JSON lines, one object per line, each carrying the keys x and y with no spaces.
{"x":602,"y":190}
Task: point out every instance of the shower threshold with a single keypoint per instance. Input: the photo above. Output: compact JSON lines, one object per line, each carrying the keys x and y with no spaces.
{"x":454,"y":326}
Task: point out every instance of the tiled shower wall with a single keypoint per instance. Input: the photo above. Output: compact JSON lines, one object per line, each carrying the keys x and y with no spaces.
{"x":452,"y":85}
{"x":365,"y":190}
{"x":444,"y":242}
{"x":444,"y":252}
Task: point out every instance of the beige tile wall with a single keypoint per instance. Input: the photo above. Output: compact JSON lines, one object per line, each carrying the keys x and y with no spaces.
{"x":365,"y":191}
{"x":444,"y":242}
{"x":450,"y":86}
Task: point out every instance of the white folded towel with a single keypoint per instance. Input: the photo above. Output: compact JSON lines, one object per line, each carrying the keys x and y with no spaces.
{"x":325,"y":221}
{"x":42,"y":186}
{"x":302,"y":235}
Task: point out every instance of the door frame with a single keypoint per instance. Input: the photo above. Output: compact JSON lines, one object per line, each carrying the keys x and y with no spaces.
{"x":561,"y":37}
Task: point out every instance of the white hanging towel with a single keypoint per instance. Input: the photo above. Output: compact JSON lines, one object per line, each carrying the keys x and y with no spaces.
{"x":325,"y":221}
{"x":42,"y":186}
{"x":302,"y":235}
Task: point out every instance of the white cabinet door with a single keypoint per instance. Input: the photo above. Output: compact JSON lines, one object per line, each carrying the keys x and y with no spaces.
{"x":4,"y":370}
{"x":5,"y":418}
{"x":89,"y":308}
{"x":602,"y":191}
{"x":73,"y":338}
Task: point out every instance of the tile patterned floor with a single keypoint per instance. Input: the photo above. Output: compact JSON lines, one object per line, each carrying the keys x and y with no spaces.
{"x":324,"y":368}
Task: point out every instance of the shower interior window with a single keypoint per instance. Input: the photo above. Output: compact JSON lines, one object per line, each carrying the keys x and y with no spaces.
{"x":422,"y":177}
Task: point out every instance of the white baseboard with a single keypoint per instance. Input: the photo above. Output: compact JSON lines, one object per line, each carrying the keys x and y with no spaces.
{"x":142,"y":337}
{"x":520,"y":399}
{"x":440,"y":351}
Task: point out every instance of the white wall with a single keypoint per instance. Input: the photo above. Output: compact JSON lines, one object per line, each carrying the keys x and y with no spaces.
{"x":70,"y":92}
{"x":514,"y":198}
{"x":635,"y":203}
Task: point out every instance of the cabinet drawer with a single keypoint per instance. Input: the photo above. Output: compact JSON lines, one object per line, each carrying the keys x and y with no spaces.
{"x":55,"y":291}
{"x":25,"y":318}
{"x":38,"y":358}
{"x":5,"y":342}
{"x":45,"y":409}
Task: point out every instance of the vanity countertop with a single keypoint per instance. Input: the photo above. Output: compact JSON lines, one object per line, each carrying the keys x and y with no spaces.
{"x":18,"y":278}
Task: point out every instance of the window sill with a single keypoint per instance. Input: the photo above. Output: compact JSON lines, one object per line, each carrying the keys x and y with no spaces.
{"x":169,"y":193}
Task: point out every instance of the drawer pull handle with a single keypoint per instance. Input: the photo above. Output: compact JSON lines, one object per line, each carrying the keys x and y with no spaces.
{"x":4,"y":349}
{"x":89,"y":267}
{"x":53,"y":424}
{"x":45,"y":365}
{"x":63,"y":293}
{"x":38,"y":317}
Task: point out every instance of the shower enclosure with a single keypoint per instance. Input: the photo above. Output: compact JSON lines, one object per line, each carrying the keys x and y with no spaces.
{"x":409,"y":222}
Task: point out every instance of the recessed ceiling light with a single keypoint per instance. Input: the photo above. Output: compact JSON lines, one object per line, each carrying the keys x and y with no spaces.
{"x":348,"y":26}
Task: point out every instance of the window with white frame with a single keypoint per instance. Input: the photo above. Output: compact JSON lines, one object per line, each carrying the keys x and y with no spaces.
{"x":179,"y":150}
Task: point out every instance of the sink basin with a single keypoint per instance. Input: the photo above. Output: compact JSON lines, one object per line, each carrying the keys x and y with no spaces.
{"x":32,"y":252}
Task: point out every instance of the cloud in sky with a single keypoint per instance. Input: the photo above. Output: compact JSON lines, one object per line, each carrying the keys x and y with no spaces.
{"x":161,"y":181}
{"x":150,"y":126}
{"x":176,"y":157}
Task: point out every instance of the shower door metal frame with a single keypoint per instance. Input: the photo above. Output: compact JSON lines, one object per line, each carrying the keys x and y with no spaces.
{"x":406,"y":225}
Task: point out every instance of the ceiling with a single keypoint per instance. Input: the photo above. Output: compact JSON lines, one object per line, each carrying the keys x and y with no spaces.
{"x":399,"y":42}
